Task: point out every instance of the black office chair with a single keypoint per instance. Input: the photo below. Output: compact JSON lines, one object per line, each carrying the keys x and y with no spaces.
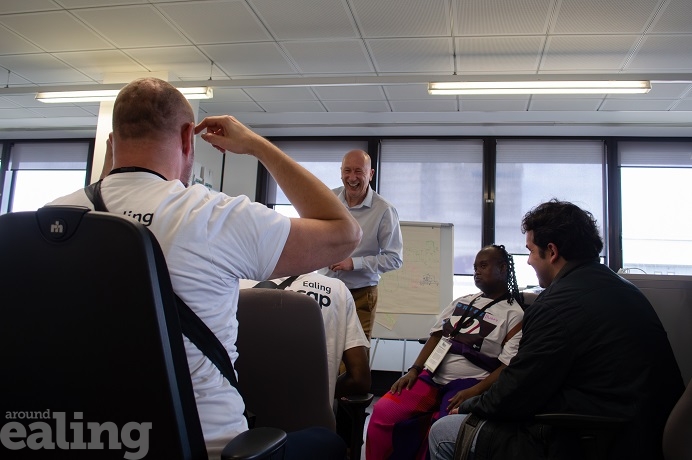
{"x":281,"y":346}
{"x":677,"y":434}
{"x":90,"y":337}
{"x":290,"y":406}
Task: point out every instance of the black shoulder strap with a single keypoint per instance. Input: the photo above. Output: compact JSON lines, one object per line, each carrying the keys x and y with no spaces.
{"x":93,"y":192}
{"x":192,"y":326}
{"x":272,"y":285}
{"x":206,"y":341}
{"x":203,"y":338}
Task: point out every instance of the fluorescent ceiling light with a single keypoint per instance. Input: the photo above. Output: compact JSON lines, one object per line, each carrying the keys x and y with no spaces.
{"x":540,"y":87}
{"x":199,"y":92}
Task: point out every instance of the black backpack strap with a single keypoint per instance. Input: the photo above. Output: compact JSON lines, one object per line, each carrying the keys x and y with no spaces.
{"x":206,"y":341}
{"x":199,"y":334}
{"x":269,"y":284}
{"x":93,"y":192}
{"x":287,"y":282}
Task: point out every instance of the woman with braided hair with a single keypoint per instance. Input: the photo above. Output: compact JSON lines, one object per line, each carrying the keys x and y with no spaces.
{"x":473,"y":339}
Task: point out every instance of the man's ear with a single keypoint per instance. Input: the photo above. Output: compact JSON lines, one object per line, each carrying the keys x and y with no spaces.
{"x":187,"y":134}
{"x":552,"y":252}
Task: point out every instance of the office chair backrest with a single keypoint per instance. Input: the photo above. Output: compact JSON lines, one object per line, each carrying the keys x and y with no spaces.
{"x":90,"y":341}
{"x":282,"y":359}
{"x":677,"y":434}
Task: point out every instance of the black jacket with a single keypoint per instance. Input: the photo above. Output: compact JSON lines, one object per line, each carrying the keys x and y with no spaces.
{"x":591,"y":344}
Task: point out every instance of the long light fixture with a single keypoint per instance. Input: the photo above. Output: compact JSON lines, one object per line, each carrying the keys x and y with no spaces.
{"x":197,"y":92}
{"x":541,"y":87}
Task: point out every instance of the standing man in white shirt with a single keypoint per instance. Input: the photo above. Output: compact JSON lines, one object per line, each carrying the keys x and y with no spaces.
{"x":381,"y":247}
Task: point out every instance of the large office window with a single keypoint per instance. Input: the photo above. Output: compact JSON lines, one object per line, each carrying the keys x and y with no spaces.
{"x":531,"y":171}
{"x":321,"y":158}
{"x":432,"y":180}
{"x":656,"y":181}
{"x":39,"y":172}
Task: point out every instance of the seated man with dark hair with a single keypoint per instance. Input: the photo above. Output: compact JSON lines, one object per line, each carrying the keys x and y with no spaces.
{"x":591,"y":344}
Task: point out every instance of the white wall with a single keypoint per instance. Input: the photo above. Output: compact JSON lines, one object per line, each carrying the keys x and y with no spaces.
{"x":240,"y":175}
{"x":240,"y":171}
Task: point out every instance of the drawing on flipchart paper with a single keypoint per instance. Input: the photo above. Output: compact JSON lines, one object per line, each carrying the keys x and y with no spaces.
{"x":414,"y":287}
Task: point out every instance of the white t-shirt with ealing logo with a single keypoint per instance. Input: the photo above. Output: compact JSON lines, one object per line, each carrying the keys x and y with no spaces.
{"x":210,"y":240}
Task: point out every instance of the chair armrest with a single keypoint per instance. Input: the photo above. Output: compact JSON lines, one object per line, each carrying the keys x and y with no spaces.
{"x":255,"y":444}
{"x":580,"y":421}
{"x":357,"y":401}
{"x":354,"y":407}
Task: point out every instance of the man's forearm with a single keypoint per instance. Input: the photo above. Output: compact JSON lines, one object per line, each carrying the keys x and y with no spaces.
{"x":308,"y":195}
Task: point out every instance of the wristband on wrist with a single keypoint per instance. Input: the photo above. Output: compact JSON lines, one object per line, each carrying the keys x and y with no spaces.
{"x":418,"y":368}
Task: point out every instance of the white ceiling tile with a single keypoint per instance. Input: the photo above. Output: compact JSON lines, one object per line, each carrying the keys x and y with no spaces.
{"x":494,"y":105}
{"x":55,"y":111}
{"x":93,"y":3}
{"x":604,"y":17}
{"x":502,"y":17}
{"x":12,"y":79}
{"x":6,"y":103}
{"x":684,"y":105}
{"x":14,"y":44}
{"x":597,"y":53}
{"x":18,"y":113}
{"x":675,"y":18}
{"x":357,"y":106}
{"x":306,"y":19}
{"x":216,"y":21}
{"x":561,"y":104}
{"x":293,"y":106}
{"x":39,"y":28}
{"x":182,"y":61}
{"x":228,"y":108}
{"x":24,"y":6}
{"x":663,"y":53}
{"x":97,"y":63}
{"x":25,"y":100}
{"x":281,"y":94}
{"x":132,"y":26}
{"x":412,"y":55}
{"x":91,"y":108}
{"x":636,"y":104}
{"x":350,"y":93}
{"x":329,"y":57}
{"x":402,"y":18}
{"x":431,"y":105}
{"x":42,"y":69}
{"x":499,"y":54}
{"x":246,"y":59}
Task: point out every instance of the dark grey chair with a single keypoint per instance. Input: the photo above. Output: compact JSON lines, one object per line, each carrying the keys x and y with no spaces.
{"x":281,"y":346}
{"x":89,"y":334}
{"x":677,"y":434}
